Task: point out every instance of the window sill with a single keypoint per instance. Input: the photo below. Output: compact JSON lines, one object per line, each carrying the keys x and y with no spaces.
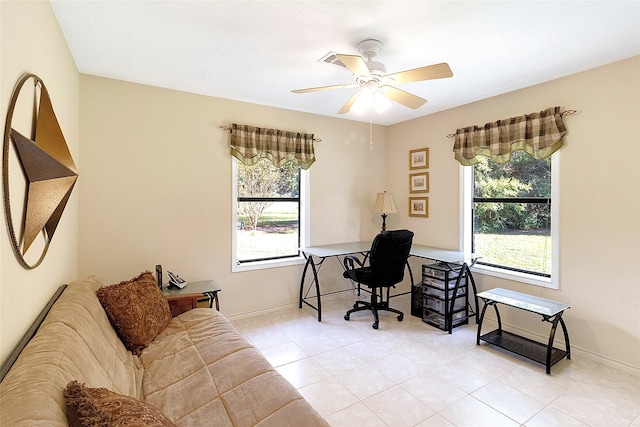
{"x":516,"y":276}
{"x":261,"y":265}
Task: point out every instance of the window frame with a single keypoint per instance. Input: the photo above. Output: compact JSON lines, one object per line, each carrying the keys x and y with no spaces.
{"x":466,"y":230}
{"x":303,"y":214}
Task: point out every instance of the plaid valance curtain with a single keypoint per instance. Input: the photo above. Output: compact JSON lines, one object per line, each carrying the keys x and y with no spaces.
{"x":539,"y":134}
{"x":251,"y":144}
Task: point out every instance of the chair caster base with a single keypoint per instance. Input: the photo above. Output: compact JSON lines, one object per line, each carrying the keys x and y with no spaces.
{"x":375,"y":325}
{"x":346,"y":317}
{"x":400,"y":317}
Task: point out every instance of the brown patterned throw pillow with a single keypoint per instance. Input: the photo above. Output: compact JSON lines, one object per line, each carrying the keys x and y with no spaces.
{"x":137,"y":310}
{"x":88,"y":406}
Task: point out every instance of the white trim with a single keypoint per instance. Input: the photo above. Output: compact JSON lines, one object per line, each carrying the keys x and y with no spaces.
{"x":271,"y":263}
{"x":287,"y":306}
{"x":234,"y":212}
{"x":466,"y":194}
{"x":305,"y":208}
{"x":466,"y":175}
{"x":516,"y":276}
{"x":555,"y":221}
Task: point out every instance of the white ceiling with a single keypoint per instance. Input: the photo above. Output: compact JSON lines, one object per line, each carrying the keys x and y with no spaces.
{"x":258,"y":51}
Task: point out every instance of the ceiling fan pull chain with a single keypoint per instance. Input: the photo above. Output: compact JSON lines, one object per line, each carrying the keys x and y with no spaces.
{"x":371,"y":130}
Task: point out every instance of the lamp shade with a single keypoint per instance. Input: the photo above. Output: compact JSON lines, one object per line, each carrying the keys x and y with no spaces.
{"x":385,"y":204}
{"x":370,"y":98}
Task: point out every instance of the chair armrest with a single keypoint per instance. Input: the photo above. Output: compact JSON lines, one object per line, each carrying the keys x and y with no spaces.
{"x":349,"y":262}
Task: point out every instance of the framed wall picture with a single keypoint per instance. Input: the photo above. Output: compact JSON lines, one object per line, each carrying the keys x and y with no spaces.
{"x":419,"y":159}
{"x":419,"y":206}
{"x":419,"y":182}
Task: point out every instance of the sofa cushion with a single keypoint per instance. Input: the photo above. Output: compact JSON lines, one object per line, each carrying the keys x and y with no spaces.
{"x":236,"y":386}
{"x":137,"y":309}
{"x":88,"y":406}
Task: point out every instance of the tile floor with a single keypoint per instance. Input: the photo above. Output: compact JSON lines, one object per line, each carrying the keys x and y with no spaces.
{"x":411,"y":374}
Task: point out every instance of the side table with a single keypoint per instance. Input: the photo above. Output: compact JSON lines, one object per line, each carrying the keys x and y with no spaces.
{"x":551,"y":311}
{"x":185,"y":299}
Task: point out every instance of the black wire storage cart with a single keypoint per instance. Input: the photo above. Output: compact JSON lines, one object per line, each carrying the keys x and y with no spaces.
{"x":444,"y":295}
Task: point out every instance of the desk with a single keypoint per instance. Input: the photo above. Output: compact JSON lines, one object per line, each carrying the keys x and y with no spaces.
{"x":322,"y":253}
{"x":187,"y":298}
{"x":551,"y":311}
{"x":342,"y":249}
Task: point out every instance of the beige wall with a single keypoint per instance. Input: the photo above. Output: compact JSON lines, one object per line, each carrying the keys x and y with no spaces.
{"x":157,"y":187}
{"x":31,"y":42}
{"x":599,"y":201}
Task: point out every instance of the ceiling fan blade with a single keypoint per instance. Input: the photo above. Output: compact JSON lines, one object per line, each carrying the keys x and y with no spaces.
{"x":402,"y":97}
{"x":430,"y":72}
{"x":317,"y":89}
{"x":345,"y":108}
{"x":355,"y":64}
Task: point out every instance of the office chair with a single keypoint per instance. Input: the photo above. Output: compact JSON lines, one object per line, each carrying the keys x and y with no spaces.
{"x":387,"y":260}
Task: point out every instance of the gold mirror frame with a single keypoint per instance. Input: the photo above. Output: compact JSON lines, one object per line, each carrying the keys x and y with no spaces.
{"x":48,"y":167}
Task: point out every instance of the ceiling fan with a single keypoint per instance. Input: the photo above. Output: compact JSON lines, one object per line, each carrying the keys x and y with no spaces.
{"x":372,"y":79}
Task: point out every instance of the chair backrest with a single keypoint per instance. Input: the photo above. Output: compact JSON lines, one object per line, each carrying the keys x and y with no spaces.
{"x":388,"y":256}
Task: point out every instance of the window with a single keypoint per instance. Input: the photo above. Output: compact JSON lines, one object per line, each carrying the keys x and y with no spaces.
{"x":512,"y":217}
{"x":268,"y":214}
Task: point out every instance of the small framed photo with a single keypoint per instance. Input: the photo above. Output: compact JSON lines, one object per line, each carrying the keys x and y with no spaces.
{"x":419,"y":182}
{"x":419,"y":206}
{"x":419,"y":159}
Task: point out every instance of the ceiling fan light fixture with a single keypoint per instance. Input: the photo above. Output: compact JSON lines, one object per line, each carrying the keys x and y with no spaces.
{"x":380,"y":102}
{"x":362,"y":101}
{"x":370,"y":99}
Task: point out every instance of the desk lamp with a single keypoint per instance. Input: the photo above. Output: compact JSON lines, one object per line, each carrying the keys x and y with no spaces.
{"x":385,"y":204}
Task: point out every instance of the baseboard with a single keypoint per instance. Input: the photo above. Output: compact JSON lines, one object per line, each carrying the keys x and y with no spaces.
{"x":261,"y":311}
{"x":280,"y":307}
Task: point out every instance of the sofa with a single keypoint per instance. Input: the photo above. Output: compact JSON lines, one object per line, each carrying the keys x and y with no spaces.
{"x":197,"y":370}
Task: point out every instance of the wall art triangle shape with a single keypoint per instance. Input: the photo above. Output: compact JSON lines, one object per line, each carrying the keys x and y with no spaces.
{"x":49,"y":170}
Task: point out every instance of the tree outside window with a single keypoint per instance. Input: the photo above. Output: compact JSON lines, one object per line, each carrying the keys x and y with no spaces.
{"x":268,"y":211}
{"x":512,"y":213}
